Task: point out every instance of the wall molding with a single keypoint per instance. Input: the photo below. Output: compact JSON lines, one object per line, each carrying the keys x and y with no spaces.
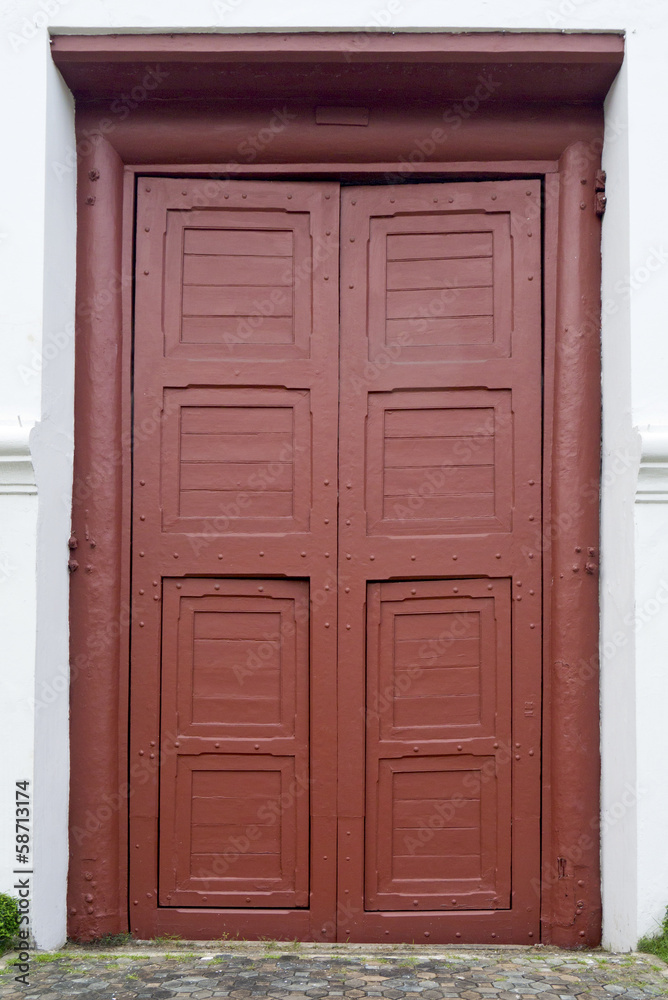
{"x":653,"y":471}
{"x":17,"y":474}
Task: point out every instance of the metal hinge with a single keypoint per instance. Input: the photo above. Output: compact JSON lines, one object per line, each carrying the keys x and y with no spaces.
{"x":599,"y":188}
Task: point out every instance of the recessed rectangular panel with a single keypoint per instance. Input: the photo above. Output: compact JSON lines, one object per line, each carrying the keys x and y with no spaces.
{"x":235,"y":656}
{"x":440,"y":287}
{"x":439,"y":461}
{"x":234,"y":782}
{"x":438,"y":825}
{"x":438,"y":662}
{"x":438,"y":834}
{"x":236,"y":460}
{"x":234,"y":832}
{"x":238,"y":285}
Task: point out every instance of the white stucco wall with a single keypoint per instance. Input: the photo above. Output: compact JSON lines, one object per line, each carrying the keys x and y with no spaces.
{"x":36,"y":311}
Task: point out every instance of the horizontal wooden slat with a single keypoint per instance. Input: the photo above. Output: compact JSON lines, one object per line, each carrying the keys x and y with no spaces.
{"x":264,"y":839}
{"x":264,"y":447}
{"x":423,"y":332}
{"x":251,"y":242}
{"x":452,"y":302}
{"x":232,"y":332}
{"x":228,"y":814}
{"x":436,"y":451}
{"x":454,"y":273}
{"x":252,"y":782}
{"x":217,"y":503}
{"x":414,"y":814}
{"x":236,"y":711}
{"x":437,"y":867}
{"x":237,"y":300}
{"x":245,"y":476}
{"x":433,"y":711}
{"x":430,"y":624}
{"x":408,"y":843}
{"x":427,"y":246}
{"x":225,"y":269}
{"x":418,"y":508}
{"x":235,"y":419}
{"x":441,"y":651}
{"x":436,"y":481}
{"x":437,"y":785}
{"x":237,"y":625}
{"x":226,"y":655}
{"x":450,"y":422}
{"x":437,"y":682}
{"x":241,"y":866}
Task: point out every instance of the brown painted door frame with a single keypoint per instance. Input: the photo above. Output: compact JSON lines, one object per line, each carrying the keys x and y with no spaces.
{"x":101,"y":604}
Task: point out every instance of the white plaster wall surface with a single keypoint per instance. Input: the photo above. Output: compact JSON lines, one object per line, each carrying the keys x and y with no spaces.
{"x":36,"y":228}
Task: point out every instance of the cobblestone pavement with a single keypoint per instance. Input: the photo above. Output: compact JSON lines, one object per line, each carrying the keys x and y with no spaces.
{"x":292,"y":973}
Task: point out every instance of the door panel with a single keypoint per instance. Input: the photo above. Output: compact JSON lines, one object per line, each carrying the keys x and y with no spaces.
{"x":234,"y":558}
{"x":440,"y":465}
{"x":438,"y":669}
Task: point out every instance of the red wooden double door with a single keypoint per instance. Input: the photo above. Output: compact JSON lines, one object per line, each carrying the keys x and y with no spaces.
{"x":336,"y":637}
